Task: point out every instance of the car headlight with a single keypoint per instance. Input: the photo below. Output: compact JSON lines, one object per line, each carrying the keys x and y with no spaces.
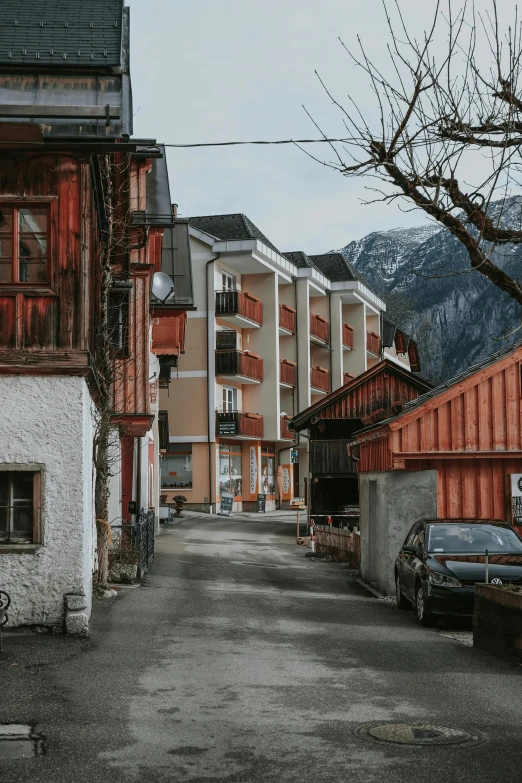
{"x":441,"y":580}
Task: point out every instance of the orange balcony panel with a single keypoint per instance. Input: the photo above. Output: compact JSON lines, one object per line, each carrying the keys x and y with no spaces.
{"x":373,"y":343}
{"x":320,"y":379}
{"x":348,"y":335}
{"x":168,"y":333}
{"x":287,"y":318}
{"x":319,"y":327}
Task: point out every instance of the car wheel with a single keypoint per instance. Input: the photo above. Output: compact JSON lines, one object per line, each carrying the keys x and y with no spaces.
{"x":421,"y":607}
{"x":402,"y":602}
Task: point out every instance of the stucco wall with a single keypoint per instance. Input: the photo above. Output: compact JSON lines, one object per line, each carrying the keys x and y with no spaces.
{"x":400,"y":498}
{"x":48,"y":421}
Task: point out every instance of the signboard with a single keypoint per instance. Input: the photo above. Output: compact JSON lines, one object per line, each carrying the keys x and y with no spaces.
{"x":227,"y":502}
{"x":287,"y":482}
{"x":253,"y":470}
{"x":294,"y":457}
{"x":516,"y":498}
{"x":297,"y":503}
{"x":227,"y":427}
{"x":261,"y":504}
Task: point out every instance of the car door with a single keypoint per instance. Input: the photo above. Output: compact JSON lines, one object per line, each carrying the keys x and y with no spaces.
{"x":405,"y":564}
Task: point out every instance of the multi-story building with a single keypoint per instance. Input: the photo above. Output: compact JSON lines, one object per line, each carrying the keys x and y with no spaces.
{"x":272,"y":333}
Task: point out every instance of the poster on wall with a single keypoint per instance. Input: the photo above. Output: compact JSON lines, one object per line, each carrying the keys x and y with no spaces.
{"x":516,"y":498}
{"x":261,"y":504}
{"x":253,"y":470}
{"x":287,"y":482}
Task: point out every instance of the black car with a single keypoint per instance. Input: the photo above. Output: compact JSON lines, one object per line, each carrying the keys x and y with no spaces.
{"x":441,"y":560}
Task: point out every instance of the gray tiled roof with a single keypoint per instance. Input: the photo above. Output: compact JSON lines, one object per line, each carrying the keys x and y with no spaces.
{"x":61,"y":33}
{"x":299,"y":259}
{"x":475,"y":368}
{"x":231,"y":227}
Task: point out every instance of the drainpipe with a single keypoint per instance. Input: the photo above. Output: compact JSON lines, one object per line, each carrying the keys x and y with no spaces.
{"x":209,"y":443}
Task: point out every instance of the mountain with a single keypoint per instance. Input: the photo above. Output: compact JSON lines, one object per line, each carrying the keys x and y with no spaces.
{"x":423,"y":274}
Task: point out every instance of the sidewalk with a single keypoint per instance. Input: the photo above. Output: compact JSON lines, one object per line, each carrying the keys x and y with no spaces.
{"x":282,"y":516}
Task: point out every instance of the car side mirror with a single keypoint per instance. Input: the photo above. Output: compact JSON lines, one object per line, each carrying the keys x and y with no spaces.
{"x":409,"y":549}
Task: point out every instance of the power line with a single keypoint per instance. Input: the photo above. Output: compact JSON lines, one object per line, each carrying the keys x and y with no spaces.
{"x":281,"y":141}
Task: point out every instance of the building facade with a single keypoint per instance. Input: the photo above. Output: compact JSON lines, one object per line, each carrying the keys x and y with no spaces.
{"x":272,"y":333}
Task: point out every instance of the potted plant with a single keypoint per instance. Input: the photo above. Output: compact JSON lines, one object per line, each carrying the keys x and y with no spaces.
{"x":179,"y":501}
{"x":163,"y":499}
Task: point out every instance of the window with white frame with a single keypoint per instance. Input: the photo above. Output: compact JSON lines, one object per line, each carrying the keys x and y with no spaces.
{"x":228,"y":281}
{"x":20,"y":506}
{"x":229,"y":398}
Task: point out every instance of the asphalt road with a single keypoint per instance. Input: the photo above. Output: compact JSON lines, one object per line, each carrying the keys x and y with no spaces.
{"x":242,"y":661}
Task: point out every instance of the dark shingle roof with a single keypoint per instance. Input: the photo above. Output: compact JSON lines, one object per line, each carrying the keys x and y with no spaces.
{"x":335,"y":267}
{"x":475,"y":368}
{"x":299,"y":259}
{"x":61,"y":33}
{"x":231,"y":227}
{"x":388,"y":333}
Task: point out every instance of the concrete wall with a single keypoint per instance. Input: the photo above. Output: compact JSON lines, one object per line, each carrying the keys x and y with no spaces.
{"x":389,"y":508}
{"x":47,"y":421}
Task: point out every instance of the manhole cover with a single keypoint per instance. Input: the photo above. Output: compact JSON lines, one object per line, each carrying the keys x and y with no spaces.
{"x":418,"y":734}
{"x":18,"y":742}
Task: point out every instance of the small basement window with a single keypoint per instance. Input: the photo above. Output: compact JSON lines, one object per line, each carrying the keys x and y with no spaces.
{"x":20,"y":506}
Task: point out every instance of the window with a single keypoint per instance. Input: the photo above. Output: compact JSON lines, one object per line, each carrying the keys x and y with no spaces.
{"x":23,"y":244}
{"x":267,"y":471}
{"x":229,"y":398}
{"x":229,"y":281}
{"x":176,"y":466}
{"x":230,"y":469}
{"x":19,"y":506}
{"x":118,"y":321}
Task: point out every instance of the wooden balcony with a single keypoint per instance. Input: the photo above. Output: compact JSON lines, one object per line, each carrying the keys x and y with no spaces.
{"x":320,"y":379}
{"x":288,"y":373}
{"x":319,"y":328}
{"x":348,"y":336}
{"x":373,"y":343}
{"x":286,"y":319}
{"x":236,"y":424}
{"x":242,"y":367}
{"x":285,"y":433}
{"x":239,"y":308}
{"x":347,"y":377}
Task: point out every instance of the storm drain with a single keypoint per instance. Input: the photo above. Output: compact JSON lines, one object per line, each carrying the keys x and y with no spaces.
{"x":19,"y":742}
{"x":420,"y":734}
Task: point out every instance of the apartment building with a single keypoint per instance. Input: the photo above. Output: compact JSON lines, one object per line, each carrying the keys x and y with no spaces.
{"x":271,"y":334}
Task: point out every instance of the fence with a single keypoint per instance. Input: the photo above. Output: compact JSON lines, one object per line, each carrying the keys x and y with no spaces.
{"x":133,"y":543}
{"x":340,"y":543}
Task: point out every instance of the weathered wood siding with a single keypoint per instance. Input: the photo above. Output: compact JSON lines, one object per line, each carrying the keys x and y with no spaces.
{"x":381,"y":391}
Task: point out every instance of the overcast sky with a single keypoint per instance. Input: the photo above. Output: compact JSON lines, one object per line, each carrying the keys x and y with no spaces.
{"x":221,"y":70}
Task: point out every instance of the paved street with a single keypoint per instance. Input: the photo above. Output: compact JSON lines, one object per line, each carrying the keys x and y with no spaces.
{"x":240,"y":660}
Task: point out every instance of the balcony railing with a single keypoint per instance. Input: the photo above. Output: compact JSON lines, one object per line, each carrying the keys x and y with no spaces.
{"x":319,"y":327}
{"x":288,"y":372}
{"x":237,"y":363}
{"x":287,"y":318}
{"x":286,"y":434}
{"x":348,"y":335}
{"x":320,"y":379}
{"x":239,"y":303}
{"x":235,"y":424}
{"x":373,"y":343}
{"x":347,"y":377}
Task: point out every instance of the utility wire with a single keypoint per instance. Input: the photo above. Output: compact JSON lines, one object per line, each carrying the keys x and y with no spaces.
{"x":283,"y":141}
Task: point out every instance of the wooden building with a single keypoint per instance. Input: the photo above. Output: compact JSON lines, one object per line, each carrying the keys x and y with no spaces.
{"x":450,"y":453}
{"x":332,"y":422}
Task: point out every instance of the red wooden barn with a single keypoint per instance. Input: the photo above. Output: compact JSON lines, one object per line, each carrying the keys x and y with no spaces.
{"x":449,"y":453}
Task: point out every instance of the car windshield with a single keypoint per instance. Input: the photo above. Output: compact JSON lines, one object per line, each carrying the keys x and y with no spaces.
{"x":472,"y":538}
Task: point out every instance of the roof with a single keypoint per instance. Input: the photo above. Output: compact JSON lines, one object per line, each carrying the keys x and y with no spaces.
{"x":388,"y":333}
{"x":303,"y":419}
{"x":443,"y":387}
{"x":231,"y":227}
{"x":61,"y":33}
{"x":337,"y":268}
{"x":158,"y":210}
{"x":299,"y":259}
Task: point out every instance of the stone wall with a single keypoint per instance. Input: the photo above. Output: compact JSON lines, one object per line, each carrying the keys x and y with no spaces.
{"x":388,"y":510}
{"x":48,"y":422}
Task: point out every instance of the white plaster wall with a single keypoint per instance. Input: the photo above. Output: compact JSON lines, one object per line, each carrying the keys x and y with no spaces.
{"x":49,"y":421}
{"x":402,"y":497}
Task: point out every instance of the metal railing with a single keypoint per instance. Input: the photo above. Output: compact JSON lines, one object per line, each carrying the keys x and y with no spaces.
{"x":239,"y":303}
{"x":238,"y":363}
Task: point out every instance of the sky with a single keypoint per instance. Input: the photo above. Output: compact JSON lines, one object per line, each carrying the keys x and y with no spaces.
{"x":226,"y":70}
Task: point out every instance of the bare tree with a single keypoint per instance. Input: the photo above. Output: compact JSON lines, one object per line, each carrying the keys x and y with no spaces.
{"x":447,"y":105}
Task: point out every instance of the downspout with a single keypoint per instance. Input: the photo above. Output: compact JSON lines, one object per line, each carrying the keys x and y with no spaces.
{"x":209,"y":443}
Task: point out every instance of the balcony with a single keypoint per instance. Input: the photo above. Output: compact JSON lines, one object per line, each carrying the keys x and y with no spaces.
{"x":319,"y":329}
{"x":239,"y":308}
{"x":347,"y":377}
{"x":288,"y":373}
{"x":285,"y":433}
{"x":319,"y":380}
{"x":373,"y":343}
{"x":286,"y":320}
{"x":241,"y":367}
{"x":348,"y":337}
{"x":235,"y":424}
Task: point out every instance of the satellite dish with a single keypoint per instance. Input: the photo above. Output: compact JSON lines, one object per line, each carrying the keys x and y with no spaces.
{"x":162,"y":286}
{"x":154,"y":368}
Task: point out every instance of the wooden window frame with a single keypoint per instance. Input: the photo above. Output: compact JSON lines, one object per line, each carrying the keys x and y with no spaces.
{"x":38,"y":483}
{"x":49,"y":202}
